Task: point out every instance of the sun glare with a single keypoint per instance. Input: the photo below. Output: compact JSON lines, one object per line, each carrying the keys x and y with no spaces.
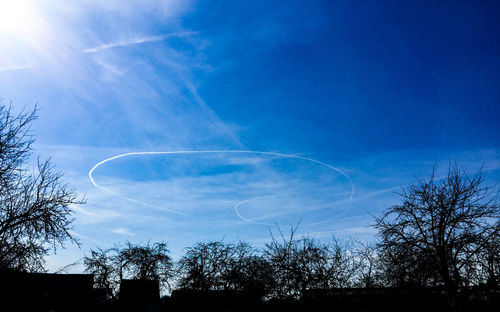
{"x":17,"y":18}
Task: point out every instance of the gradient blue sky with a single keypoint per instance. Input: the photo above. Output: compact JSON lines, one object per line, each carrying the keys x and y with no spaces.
{"x":380,"y":90}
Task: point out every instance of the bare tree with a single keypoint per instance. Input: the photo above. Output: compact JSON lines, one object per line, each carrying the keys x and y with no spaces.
{"x":299,"y":265}
{"x":439,"y":230}
{"x":216,"y":265}
{"x":146,"y":262}
{"x":491,"y":262}
{"x":368,"y":273}
{"x":484,"y":269}
{"x":406,"y":267}
{"x":203,"y":265}
{"x":100,"y":263}
{"x":246,"y":269}
{"x":35,"y":213}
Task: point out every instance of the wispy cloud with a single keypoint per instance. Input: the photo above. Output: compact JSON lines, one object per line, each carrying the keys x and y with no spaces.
{"x":162,"y":8}
{"x":81,"y":236}
{"x":122,"y":231}
{"x":87,"y":215}
{"x":13,"y":68}
{"x":138,"y":40}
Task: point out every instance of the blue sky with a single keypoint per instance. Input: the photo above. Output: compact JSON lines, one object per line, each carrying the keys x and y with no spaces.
{"x":380,"y":91}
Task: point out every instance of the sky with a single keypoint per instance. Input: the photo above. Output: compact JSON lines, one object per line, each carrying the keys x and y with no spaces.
{"x":260,"y":114}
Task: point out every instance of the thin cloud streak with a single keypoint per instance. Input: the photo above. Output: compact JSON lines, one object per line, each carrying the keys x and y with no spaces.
{"x":122,"y":231}
{"x":81,"y":236}
{"x":135,"y":41}
{"x":13,"y":68}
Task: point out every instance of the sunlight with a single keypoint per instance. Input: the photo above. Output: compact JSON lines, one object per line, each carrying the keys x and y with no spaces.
{"x":16,"y":17}
{"x":24,"y":33}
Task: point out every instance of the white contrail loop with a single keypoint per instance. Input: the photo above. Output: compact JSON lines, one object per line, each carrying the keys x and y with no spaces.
{"x":207,"y":152}
{"x":237,"y":205}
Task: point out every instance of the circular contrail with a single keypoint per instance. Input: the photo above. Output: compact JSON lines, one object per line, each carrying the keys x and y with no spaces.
{"x":209,"y":152}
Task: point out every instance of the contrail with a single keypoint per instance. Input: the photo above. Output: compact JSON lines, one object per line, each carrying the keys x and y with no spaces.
{"x":139,"y":40}
{"x":209,"y":152}
{"x":238,"y":204}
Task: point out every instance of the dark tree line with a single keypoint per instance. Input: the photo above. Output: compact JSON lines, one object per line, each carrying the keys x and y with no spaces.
{"x":285,"y":268}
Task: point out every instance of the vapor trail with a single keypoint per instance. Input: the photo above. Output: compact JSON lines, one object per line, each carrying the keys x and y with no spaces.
{"x":209,"y":152}
{"x":238,"y":204}
{"x":139,"y":40}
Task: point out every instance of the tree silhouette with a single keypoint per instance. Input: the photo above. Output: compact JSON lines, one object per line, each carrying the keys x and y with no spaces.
{"x":143,"y":262}
{"x":101,"y":265}
{"x":35,"y":214}
{"x":406,"y":266}
{"x":148,"y":262}
{"x":484,"y":268}
{"x":299,"y":265}
{"x":216,"y":265}
{"x":441,"y":228}
{"x":369,"y":269}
